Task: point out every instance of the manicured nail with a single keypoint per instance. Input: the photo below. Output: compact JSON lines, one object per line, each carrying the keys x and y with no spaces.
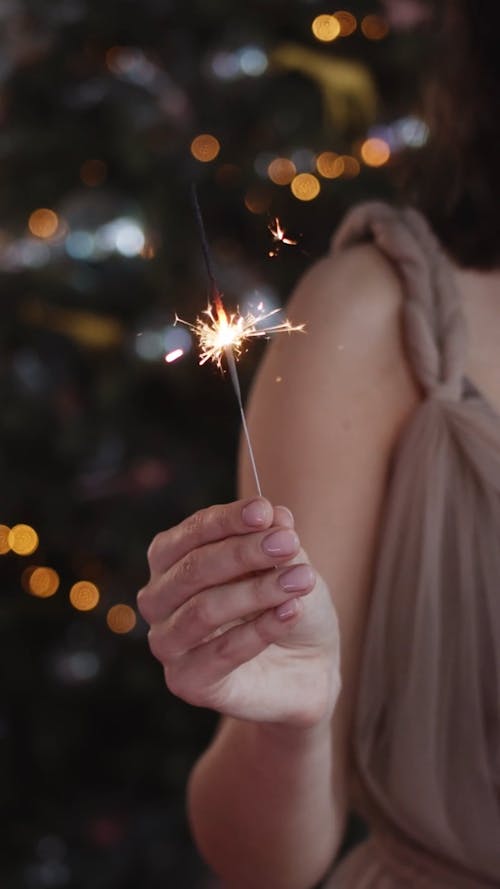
{"x":300,"y":577}
{"x":281,"y":543}
{"x":256,"y":513}
{"x":287,"y":610}
{"x":287,"y":517}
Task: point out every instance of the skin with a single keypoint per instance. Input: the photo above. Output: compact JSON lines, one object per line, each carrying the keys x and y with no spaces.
{"x":268,"y":799}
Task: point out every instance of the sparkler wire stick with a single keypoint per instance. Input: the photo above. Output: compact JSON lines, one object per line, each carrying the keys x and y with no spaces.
{"x":231,"y":363}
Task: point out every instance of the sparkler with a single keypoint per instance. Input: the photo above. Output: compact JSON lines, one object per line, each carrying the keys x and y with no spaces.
{"x":221,"y":335}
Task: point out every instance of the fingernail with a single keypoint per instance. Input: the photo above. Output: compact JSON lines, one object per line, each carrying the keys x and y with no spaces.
{"x":287,"y":610}
{"x":256,"y":513}
{"x":281,"y":543}
{"x":300,"y":577}
{"x":285,"y":516}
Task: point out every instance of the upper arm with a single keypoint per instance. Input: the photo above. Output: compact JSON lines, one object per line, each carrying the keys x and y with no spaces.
{"x":326,"y":409}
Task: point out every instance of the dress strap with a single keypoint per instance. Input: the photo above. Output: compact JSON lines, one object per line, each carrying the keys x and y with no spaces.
{"x":433,"y":322}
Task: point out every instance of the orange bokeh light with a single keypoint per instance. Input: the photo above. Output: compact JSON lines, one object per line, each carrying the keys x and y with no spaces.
{"x":43,"y":223}
{"x":374,"y":27}
{"x":42,"y":582}
{"x":84,"y":595}
{"x":375,"y":152}
{"x":4,"y":540}
{"x":347,"y":22}
{"x":281,"y":171}
{"x":205,"y":147}
{"x":258,"y":199}
{"x":329,"y":165}
{"x":351,"y":166}
{"x":121,"y":619}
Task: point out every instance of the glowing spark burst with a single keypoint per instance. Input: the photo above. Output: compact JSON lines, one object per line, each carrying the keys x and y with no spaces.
{"x":223,"y":332}
{"x":279,"y":237}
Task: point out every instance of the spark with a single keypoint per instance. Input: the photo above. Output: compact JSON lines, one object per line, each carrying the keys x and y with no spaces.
{"x":173,"y":356}
{"x":279,"y":237}
{"x":223,"y":332}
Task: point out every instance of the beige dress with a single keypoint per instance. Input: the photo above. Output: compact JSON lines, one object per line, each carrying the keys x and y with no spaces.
{"x":427,"y":735}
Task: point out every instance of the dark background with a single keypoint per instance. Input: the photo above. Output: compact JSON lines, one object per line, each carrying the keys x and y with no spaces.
{"x":102,"y":443}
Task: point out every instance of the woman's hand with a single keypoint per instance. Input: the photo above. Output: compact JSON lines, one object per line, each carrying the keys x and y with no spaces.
{"x":239,"y":619}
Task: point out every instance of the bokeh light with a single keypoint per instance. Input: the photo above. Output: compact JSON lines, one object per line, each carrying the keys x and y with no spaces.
{"x":258,"y":199}
{"x":84,"y":595}
{"x":281,"y":171}
{"x":93,"y":172}
{"x":121,"y":619}
{"x":4,"y":540}
{"x":43,"y":223}
{"x":351,"y":166}
{"x":325,"y":28}
{"x":23,"y":540}
{"x":305,"y":187}
{"x":347,"y":22}
{"x":329,"y":165}
{"x":375,"y":152}
{"x":374,"y":27}
{"x":41,"y":581}
{"x":205,"y":147}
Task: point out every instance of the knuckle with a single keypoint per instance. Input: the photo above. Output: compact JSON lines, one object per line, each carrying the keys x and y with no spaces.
{"x":187,"y":571}
{"x":194,"y":525}
{"x":222,"y":519}
{"x":202,"y":615}
{"x":155,"y":548}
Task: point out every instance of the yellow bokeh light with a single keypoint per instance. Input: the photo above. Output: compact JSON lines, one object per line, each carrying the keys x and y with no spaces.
{"x":351,"y":166}
{"x":305,"y":187}
{"x":281,"y":171}
{"x":22,"y":540}
{"x":84,"y":595}
{"x":42,"y":582}
{"x":325,"y":28}
{"x":43,"y":223}
{"x":93,"y":172}
{"x":4,"y":540}
{"x":121,"y":619}
{"x":329,"y":165}
{"x":374,"y":27}
{"x":347,"y":22}
{"x":205,"y":147}
{"x":375,"y":152}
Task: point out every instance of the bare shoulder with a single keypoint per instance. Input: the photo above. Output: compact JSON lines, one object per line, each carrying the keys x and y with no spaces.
{"x":351,"y":357}
{"x":355,"y":294}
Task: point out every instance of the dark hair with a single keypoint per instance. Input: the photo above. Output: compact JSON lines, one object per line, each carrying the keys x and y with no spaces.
{"x":455,"y":179}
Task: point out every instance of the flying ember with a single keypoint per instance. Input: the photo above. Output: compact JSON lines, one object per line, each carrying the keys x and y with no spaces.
{"x":279,"y":237}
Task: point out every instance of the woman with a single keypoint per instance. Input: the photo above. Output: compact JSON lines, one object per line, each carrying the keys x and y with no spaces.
{"x":352,"y":644}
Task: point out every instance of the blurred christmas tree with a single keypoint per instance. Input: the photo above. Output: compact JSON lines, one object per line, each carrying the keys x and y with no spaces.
{"x":109,"y":111}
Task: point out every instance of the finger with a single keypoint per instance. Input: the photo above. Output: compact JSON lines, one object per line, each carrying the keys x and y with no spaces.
{"x":215,"y":565}
{"x":212,"y":610}
{"x":216,"y":659}
{"x":207,"y":526}
{"x":283,"y":516}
